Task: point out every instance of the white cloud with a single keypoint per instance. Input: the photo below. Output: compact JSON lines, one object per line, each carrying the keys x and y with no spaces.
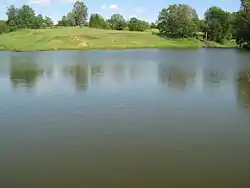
{"x":110,"y":6}
{"x":113,"y":6}
{"x":40,"y":2}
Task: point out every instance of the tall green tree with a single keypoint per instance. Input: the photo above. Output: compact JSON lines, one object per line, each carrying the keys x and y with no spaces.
{"x":153,"y":25}
{"x":117,"y":22}
{"x":23,"y":17}
{"x":97,"y":21}
{"x":3,"y":26}
{"x":68,"y":20}
{"x":243,"y":23}
{"x":48,"y":21}
{"x":12,"y":13}
{"x":38,"y":22}
{"x":201,"y":25}
{"x":233,"y":26}
{"x":178,"y":21}
{"x":26,"y":17}
{"x":135,"y":24}
{"x":80,"y":12}
{"x":63,"y":22}
{"x":71,"y":19}
{"x":219,"y":24}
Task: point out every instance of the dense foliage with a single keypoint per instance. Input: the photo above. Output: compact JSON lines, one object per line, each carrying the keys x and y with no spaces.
{"x":3,"y":27}
{"x":153,"y":25}
{"x":220,"y":24}
{"x":177,"y":20}
{"x":97,"y":21}
{"x":80,"y":12}
{"x":25,"y":17}
{"x":48,"y":21}
{"x":117,"y":22}
{"x":135,"y":24}
{"x":67,"y":20}
{"x":77,"y":17}
{"x":243,"y":23}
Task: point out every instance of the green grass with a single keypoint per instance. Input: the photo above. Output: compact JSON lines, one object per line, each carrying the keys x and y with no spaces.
{"x":152,"y":30}
{"x":230,"y":44}
{"x":86,"y":38}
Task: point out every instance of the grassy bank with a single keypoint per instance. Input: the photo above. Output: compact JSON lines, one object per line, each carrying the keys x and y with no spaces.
{"x":230,"y":44}
{"x":86,"y":38}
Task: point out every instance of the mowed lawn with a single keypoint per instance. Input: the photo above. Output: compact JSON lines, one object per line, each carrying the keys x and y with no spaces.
{"x":87,"y":38}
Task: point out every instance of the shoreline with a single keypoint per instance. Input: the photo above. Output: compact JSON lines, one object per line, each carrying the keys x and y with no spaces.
{"x":82,"y":39}
{"x":112,"y":48}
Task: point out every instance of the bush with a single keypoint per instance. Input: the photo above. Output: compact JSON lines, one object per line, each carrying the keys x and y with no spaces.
{"x":117,"y":22}
{"x":178,"y":21}
{"x":3,"y":27}
{"x":97,"y":21}
{"x":135,"y":24}
{"x":153,"y":25}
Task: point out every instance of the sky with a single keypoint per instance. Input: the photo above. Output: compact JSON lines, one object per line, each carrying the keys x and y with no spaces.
{"x":143,"y":9}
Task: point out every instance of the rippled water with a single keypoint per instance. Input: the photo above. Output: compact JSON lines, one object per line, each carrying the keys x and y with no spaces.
{"x":125,"y":119}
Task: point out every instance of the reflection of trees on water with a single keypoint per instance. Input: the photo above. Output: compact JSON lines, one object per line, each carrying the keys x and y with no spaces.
{"x":214,"y":78}
{"x":80,"y":74}
{"x":23,"y":73}
{"x":97,"y":70}
{"x":117,"y":72}
{"x":175,"y":76}
{"x":244,"y":88}
{"x":138,"y":69}
{"x":48,"y":73}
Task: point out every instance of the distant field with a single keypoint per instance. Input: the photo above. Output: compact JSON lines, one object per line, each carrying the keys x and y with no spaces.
{"x":152,"y":31}
{"x":230,"y":44}
{"x":87,"y":38}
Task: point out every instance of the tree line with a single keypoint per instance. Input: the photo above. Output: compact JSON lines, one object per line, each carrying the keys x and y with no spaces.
{"x":178,"y":20}
{"x":116,"y":22}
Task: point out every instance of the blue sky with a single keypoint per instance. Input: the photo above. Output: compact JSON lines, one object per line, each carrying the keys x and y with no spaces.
{"x":144,"y":9}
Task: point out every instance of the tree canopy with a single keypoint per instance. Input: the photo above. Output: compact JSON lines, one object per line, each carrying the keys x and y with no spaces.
{"x":117,"y":22}
{"x":97,"y":21}
{"x":243,"y":23}
{"x":68,"y":20}
{"x":219,"y":24}
{"x":178,"y":21}
{"x":48,"y":21}
{"x":135,"y":24}
{"x":3,"y":26}
{"x":153,"y":25}
{"x":13,"y":18}
{"x":76,"y":17}
{"x":80,"y":12}
{"x":25,"y":17}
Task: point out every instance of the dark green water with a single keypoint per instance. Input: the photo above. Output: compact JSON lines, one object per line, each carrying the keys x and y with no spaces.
{"x":125,"y":119}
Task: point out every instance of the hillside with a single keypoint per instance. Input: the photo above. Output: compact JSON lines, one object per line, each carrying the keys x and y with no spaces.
{"x":86,"y":38}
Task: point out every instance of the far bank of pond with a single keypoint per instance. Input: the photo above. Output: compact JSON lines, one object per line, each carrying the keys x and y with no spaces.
{"x":87,"y":39}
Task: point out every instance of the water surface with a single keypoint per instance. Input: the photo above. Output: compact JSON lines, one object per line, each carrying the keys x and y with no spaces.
{"x":125,"y":119}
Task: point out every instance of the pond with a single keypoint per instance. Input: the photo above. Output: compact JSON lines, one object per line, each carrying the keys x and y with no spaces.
{"x":131,"y":118}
